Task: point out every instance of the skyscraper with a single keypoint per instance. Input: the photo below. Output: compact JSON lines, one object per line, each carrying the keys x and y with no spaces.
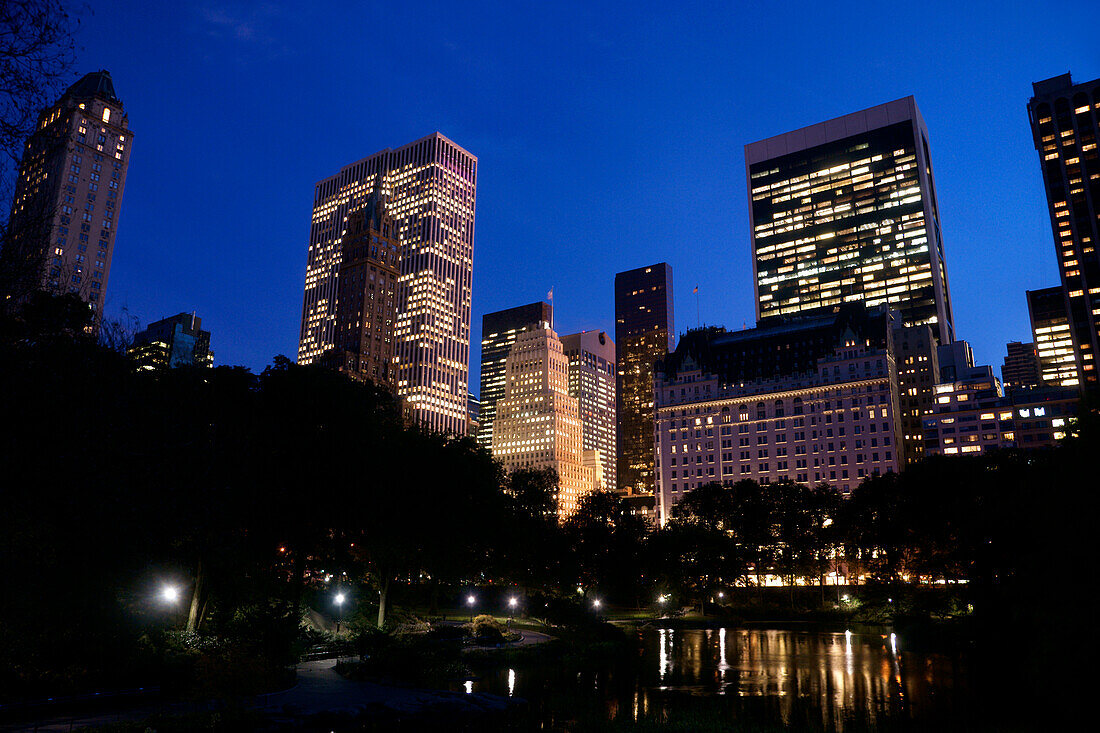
{"x":915,"y":354}
{"x":68,"y":195}
{"x":498,"y":332}
{"x":1065,"y":124}
{"x":644,"y":333}
{"x":1021,"y":366}
{"x":538,"y":423}
{"x":178,"y":341}
{"x":845,"y":210}
{"x":1050,"y":329}
{"x":366,"y":294}
{"x":592,"y":379}
{"x":431,"y":186}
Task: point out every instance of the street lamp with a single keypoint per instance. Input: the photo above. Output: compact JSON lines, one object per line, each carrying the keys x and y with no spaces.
{"x":170,"y":594}
{"x":340,"y":598}
{"x":721,"y":595}
{"x":470,"y":601}
{"x":512,"y":603}
{"x":596,"y":605}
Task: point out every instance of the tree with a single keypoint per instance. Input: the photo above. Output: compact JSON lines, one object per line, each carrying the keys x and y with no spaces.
{"x":605,"y":541}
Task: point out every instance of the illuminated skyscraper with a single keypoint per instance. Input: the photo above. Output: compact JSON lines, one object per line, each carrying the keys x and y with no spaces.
{"x":1053,"y":341}
{"x":915,"y":355}
{"x":1021,"y":367}
{"x":538,"y":423}
{"x":68,"y":195}
{"x":592,"y":378}
{"x":1065,"y":124}
{"x":498,"y":332}
{"x":845,"y":210}
{"x":173,"y":342}
{"x":431,"y":185}
{"x":644,"y":333}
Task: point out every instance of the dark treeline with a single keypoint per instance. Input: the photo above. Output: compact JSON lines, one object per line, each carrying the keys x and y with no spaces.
{"x":248,"y":491}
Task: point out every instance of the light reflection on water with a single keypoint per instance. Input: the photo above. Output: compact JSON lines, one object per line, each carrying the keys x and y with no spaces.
{"x":842,"y":676}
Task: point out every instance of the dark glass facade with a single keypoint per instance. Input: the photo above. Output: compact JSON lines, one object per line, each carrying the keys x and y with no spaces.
{"x":498,"y":333}
{"x":1065,"y":124}
{"x":644,"y":333}
{"x":841,"y":217}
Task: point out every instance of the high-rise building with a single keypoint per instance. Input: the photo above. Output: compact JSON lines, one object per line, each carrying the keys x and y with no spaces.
{"x":1050,"y":329}
{"x":845,"y":210}
{"x":644,"y":333}
{"x":915,"y":354}
{"x":431,"y":186}
{"x":178,"y":341}
{"x":592,"y":379}
{"x":1065,"y":125}
{"x":538,"y":422}
{"x":810,"y":397}
{"x":473,"y":415}
{"x":68,"y":196}
{"x":1021,"y":367}
{"x":366,"y":294}
{"x":498,"y":332}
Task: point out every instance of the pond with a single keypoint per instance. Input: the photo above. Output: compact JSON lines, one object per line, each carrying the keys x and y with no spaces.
{"x":816,"y":680}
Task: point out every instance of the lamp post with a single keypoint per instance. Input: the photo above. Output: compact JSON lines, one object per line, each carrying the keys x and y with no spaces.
{"x":512,"y":603}
{"x":340,"y":597}
{"x":470,"y":601}
{"x":170,"y":594}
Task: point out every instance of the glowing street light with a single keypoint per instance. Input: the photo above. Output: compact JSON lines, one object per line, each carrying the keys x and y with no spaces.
{"x":721,"y":595}
{"x":170,"y":594}
{"x":339,"y":599}
{"x":596,"y":604}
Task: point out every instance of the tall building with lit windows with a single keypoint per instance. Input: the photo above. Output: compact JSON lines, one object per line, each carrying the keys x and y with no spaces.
{"x":538,"y":423}
{"x":1065,"y":124}
{"x":498,"y":332}
{"x":644,"y":333}
{"x":845,"y":210}
{"x":431,"y":187}
{"x":1050,"y":328}
{"x":592,"y":377}
{"x":65,"y":211}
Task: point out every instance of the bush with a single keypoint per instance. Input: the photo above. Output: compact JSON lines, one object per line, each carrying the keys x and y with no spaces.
{"x":486,"y":629}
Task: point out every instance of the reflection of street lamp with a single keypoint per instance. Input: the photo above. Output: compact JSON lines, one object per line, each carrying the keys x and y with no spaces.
{"x":340,"y":597}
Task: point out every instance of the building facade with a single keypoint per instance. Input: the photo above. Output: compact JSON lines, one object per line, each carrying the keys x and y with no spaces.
{"x":431,"y":187}
{"x":592,"y":377}
{"x":973,"y":417}
{"x":473,"y":415}
{"x":68,"y":196}
{"x":812,"y":398}
{"x":538,"y":422}
{"x":173,"y":342}
{"x":1053,"y":337}
{"x":1020,"y":369}
{"x":915,"y":354}
{"x":498,"y":332}
{"x":366,"y":294}
{"x":644,"y":333}
{"x":845,"y":210}
{"x":1065,"y":125}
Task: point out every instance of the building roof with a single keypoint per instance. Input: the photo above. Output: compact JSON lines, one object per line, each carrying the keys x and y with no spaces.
{"x":94,"y":84}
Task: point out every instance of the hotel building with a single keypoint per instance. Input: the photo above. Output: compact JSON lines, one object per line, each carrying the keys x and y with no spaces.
{"x":644,"y":333}
{"x":592,"y":377}
{"x":1050,"y":329}
{"x":811,"y":397}
{"x":431,"y":187}
{"x":366,"y":294}
{"x":498,"y":332}
{"x":845,"y":210}
{"x":1065,"y":125}
{"x":538,"y":422}
{"x":68,"y":196}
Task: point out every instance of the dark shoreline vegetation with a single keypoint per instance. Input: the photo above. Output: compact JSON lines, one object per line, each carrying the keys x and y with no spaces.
{"x":259,"y":498}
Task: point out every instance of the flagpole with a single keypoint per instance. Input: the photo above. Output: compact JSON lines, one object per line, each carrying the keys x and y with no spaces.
{"x":698,"y":312}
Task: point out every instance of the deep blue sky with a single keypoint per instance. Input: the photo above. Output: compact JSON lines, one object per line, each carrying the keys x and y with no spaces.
{"x":609,"y":136}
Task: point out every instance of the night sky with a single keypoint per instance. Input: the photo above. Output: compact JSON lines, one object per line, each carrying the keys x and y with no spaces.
{"x":609,"y":136}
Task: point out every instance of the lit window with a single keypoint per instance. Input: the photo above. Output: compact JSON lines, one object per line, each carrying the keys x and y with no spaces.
{"x":106,"y":114}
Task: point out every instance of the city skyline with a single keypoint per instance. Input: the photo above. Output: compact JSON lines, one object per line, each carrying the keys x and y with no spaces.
{"x":512,"y":186}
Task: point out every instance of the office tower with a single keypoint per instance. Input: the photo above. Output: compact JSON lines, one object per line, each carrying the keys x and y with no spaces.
{"x":1050,"y":329}
{"x":845,"y":210}
{"x":68,"y":196}
{"x":592,"y":378}
{"x":644,"y":333}
{"x":430,"y":185}
{"x":956,"y":361}
{"x":915,"y":355}
{"x":498,"y":332}
{"x":1065,"y":125}
{"x":1021,"y":366}
{"x":807,"y":397}
{"x":538,"y":423}
{"x":173,"y":342}
{"x":366,"y":294}
{"x":473,"y":415}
